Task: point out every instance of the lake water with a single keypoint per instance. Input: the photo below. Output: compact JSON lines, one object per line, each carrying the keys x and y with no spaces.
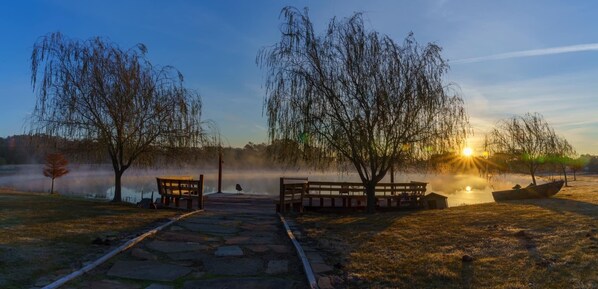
{"x":98,"y":182}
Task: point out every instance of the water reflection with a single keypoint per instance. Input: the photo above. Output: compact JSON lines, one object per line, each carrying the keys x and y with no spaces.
{"x":97,"y":182}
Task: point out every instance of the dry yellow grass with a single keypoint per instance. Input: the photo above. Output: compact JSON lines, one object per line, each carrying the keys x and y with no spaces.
{"x":44,"y":235}
{"x":549,"y":243}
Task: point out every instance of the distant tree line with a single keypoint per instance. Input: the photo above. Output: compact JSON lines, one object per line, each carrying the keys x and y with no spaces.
{"x":32,"y":149}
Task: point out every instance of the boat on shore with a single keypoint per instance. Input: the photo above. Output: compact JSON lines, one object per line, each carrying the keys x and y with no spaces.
{"x":546,"y":190}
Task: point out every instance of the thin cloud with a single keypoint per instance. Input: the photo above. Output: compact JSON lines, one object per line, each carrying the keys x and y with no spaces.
{"x":531,"y":53}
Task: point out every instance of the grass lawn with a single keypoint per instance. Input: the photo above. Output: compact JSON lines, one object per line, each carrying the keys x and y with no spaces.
{"x":549,"y":243}
{"x":49,"y":235}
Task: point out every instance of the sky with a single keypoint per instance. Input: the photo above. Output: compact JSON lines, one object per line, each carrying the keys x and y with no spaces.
{"x":506,"y":57}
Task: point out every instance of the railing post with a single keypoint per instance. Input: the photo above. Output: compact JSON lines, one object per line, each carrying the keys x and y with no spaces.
{"x":303,"y":192}
{"x":200,"y":189}
{"x":281,"y":196}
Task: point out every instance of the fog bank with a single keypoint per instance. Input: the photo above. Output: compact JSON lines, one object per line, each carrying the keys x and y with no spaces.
{"x":97,"y":181}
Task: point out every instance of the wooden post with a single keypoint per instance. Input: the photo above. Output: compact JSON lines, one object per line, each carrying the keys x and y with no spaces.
{"x":219,"y":170}
{"x":281,"y":196}
{"x":200,"y":189}
{"x":392,"y":179}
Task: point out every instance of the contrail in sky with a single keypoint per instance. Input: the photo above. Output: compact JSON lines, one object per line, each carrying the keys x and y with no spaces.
{"x":533,"y":52}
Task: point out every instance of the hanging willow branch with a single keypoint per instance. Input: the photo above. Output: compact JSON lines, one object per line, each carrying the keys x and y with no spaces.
{"x":355,"y":95}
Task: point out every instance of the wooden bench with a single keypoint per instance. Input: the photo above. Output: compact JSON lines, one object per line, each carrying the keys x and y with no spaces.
{"x":181,"y":189}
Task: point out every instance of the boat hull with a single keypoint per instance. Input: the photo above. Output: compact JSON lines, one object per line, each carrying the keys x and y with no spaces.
{"x":533,"y":192}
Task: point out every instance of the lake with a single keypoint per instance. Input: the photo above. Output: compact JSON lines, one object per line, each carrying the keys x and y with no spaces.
{"x":97,"y":181}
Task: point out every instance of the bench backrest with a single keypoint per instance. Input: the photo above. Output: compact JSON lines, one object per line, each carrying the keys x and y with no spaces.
{"x":180,"y":186}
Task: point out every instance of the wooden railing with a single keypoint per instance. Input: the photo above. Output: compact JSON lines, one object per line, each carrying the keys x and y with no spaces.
{"x":349,"y":194}
{"x":181,"y":188}
{"x":292,"y":191}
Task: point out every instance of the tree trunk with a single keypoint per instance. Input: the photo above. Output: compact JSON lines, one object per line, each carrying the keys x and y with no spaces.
{"x":52,"y":188}
{"x":574,"y":175}
{"x":117,"y":186}
{"x":370,"y":191}
{"x":565,"y":175}
{"x":532,"y":172}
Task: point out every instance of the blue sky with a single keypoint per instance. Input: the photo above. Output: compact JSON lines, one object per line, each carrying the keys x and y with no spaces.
{"x":507,"y":57}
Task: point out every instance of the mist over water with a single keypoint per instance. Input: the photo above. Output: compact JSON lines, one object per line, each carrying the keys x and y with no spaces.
{"x":97,"y":181}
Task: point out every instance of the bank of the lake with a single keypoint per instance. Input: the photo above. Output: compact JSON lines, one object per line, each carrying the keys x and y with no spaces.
{"x":547,"y":243}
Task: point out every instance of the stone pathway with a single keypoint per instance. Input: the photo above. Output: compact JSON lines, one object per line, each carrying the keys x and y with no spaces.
{"x":238,"y":242}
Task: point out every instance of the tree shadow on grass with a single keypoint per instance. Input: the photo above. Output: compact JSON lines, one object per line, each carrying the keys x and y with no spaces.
{"x":562,"y":206}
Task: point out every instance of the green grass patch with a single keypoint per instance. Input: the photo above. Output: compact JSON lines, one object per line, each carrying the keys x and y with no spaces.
{"x":549,"y":243}
{"x":42,"y":235}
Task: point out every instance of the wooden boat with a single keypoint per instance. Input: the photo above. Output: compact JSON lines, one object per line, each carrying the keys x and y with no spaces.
{"x":532,"y":192}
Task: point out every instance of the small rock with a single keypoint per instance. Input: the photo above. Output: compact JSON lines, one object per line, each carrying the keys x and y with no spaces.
{"x":467,"y":258}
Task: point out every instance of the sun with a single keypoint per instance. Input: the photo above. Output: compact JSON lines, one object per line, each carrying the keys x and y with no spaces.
{"x":467,"y":152}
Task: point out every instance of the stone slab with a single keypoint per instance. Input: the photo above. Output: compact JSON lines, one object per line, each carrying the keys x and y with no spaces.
{"x":281,"y":249}
{"x":248,"y":240}
{"x":143,"y":254}
{"x":247,"y":283}
{"x":210,"y":229}
{"x":234,"y":266}
{"x":187,"y":236}
{"x":226,"y":251}
{"x":204,"y":219}
{"x":175,"y":246}
{"x":147,"y":270}
{"x":187,"y":256}
{"x":277,"y":267}
{"x":259,"y":227}
{"x":107,"y":284}
{"x":159,"y":286}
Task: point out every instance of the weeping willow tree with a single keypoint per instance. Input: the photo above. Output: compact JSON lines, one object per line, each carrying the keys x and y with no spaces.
{"x":528,"y":139}
{"x":94,"y":90}
{"x":355,"y":95}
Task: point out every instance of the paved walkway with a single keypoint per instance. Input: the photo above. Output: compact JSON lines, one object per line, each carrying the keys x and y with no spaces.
{"x":237,"y":242}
